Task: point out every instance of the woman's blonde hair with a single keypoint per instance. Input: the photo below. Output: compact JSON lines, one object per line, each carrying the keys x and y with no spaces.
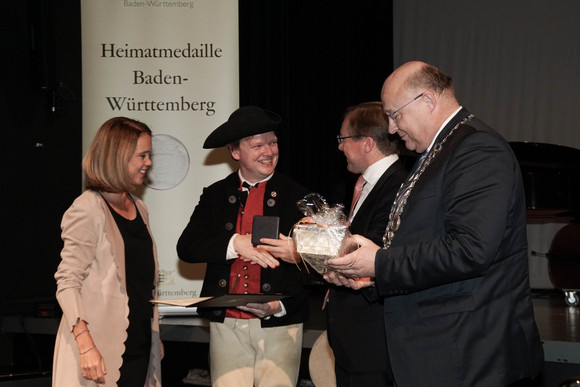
{"x":105,"y":164}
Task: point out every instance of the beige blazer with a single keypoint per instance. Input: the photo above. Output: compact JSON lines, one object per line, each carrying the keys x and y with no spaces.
{"x":91,"y":287}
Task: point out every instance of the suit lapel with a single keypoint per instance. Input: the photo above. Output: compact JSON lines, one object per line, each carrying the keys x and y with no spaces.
{"x":454,"y":121}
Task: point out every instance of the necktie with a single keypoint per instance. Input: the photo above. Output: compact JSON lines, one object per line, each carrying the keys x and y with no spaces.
{"x":419,"y":163}
{"x":358,"y":187}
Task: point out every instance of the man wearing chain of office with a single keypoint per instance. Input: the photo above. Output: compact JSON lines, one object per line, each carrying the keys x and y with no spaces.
{"x":453,"y":268}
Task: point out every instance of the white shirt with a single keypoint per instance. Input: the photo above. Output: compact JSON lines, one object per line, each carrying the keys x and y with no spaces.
{"x":442,"y":126}
{"x":372,"y":175}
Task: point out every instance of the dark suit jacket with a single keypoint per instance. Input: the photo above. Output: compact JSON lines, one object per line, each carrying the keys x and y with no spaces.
{"x":212,"y":224}
{"x":458,"y":310}
{"x":356,"y":326}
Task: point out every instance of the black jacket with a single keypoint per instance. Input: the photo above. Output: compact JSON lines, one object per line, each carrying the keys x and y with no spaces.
{"x":356,"y":330}
{"x":212,"y":224}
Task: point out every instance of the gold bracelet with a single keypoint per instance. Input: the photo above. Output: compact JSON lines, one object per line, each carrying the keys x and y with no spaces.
{"x":90,"y":349}
{"x":80,"y":333}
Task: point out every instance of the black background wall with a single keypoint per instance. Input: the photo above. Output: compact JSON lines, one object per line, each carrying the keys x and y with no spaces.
{"x":40,"y":174}
{"x":308,"y":61}
{"x":305,"y":60}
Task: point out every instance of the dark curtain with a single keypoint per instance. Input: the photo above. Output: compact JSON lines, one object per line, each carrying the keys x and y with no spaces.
{"x":308,"y":61}
{"x":40,"y":105}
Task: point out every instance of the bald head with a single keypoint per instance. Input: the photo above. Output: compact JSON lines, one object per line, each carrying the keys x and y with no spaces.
{"x":397,"y":81}
{"x":416,"y":76}
{"x":419,"y":98}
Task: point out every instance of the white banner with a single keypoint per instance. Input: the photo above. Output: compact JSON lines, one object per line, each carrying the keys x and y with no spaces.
{"x":174,"y":66}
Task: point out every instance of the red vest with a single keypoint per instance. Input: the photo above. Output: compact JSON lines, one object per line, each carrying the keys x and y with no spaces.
{"x":245,"y":276}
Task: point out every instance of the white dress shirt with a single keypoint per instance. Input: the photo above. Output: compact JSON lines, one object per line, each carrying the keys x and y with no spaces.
{"x":371,"y":175}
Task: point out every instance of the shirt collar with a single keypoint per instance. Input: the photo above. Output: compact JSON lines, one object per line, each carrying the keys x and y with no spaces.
{"x":374,"y":172}
{"x":441,"y":128}
{"x":242,"y":179}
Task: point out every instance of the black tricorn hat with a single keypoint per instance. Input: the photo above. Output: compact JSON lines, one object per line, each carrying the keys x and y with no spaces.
{"x":244,"y":122}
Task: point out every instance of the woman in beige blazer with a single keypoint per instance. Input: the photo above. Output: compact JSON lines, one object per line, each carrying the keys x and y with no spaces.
{"x":109,"y":332}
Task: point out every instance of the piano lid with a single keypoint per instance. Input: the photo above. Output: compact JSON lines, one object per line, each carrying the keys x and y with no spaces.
{"x":551,"y":176}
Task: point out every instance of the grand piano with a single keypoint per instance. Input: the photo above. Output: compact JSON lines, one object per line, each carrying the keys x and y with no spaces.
{"x":552,"y":185}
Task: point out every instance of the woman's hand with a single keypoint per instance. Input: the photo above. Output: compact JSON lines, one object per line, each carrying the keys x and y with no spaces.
{"x":93,"y":365}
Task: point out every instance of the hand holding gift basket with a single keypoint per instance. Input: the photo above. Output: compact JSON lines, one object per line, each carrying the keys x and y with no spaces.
{"x":323,"y":233}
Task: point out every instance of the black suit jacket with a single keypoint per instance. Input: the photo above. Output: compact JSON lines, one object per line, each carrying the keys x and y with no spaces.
{"x":212,"y":224}
{"x":355,"y":325}
{"x":458,"y":310}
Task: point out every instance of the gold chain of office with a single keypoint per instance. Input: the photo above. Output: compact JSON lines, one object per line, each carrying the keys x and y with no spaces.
{"x":407,"y":187}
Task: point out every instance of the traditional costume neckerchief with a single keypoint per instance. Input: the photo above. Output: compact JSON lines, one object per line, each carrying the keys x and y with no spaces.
{"x":407,"y":186}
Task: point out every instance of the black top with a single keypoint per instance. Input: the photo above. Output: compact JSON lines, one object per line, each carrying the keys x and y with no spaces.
{"x":139,"y":275}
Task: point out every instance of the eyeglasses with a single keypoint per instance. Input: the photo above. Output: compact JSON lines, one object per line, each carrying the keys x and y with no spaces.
{"x":340,"y":138}
{"x":396,"y":115}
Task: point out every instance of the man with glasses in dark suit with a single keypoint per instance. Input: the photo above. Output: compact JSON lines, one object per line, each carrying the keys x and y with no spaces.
{"x":355,"y":321}
{"x":452,"y":269}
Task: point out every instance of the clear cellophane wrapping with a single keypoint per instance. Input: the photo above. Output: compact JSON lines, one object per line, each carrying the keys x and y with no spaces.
{"x":322,"y":234}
